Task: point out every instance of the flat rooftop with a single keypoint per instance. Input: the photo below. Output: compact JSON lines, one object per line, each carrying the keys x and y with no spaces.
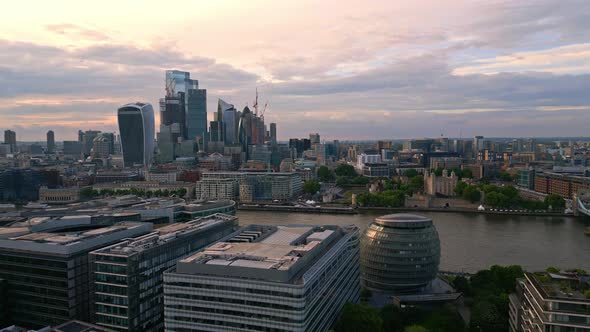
{"x":271,"y":253}
{"x":165,"y":234}
{"x":71,"y":242}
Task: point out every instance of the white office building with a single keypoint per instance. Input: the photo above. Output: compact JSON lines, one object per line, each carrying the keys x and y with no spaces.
{"x":265,"y":278}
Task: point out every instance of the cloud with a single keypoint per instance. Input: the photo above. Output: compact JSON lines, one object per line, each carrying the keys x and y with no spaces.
{"x":370,"y":68}
{"x":74,"y":31}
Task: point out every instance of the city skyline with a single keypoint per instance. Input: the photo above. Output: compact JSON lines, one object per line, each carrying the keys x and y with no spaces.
{"x":458,"y":68}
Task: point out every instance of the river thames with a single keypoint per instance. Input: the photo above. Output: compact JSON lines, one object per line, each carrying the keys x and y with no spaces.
{"x":471,"y":242}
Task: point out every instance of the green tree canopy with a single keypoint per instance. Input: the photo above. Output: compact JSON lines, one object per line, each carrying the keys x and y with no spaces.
{"x":555,"y":201}
{"x":325,"y":174}
{"x":311,"y":187}
{"x":410,"y":173}
{"x":345,"y":170}
{"x":471,"y":194}
{"x":359,"y":318}
{"x":415,"y":328}
{"x":460,"y":187}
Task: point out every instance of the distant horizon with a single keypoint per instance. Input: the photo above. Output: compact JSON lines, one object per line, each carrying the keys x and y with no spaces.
{"x":345,"y":140}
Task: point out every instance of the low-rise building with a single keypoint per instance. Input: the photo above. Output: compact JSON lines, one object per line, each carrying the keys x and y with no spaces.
{"x":564,"y":185}
{"x":128,"y":276}
{"x":59,"y":195}
{"x":265,"y":278}
{"x":153,"y":186}
{"x":440,"y":185}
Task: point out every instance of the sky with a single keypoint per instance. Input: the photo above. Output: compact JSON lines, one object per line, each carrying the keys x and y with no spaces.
{"x":346,"y":69}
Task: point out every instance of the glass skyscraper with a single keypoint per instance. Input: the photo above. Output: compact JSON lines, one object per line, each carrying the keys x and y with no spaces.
{"x":195,"y":102}
{"x":136,"y":125}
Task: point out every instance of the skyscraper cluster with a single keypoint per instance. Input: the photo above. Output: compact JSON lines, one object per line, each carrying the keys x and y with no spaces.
{"x":183,"y":117}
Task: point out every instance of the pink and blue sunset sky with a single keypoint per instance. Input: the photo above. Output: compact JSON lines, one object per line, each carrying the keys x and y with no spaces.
{"x":346,"y":69}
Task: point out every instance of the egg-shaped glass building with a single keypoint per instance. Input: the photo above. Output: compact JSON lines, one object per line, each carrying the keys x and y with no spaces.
{"x":399,"y":253}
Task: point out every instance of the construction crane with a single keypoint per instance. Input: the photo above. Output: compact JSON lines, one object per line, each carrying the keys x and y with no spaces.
{"x":263,"y":111}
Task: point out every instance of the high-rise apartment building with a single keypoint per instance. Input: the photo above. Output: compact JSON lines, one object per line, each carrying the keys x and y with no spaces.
{"x":10,"y":139}
{"x":128,"y":276}
{"x":265,"y":278}
{"x":550,"y":302}
{"x":136,"y":125}
{"x":50,"y":142}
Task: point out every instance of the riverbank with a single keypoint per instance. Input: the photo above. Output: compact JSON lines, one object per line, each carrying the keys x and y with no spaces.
{"x":349,"y":210}
{"x":298,"y":209}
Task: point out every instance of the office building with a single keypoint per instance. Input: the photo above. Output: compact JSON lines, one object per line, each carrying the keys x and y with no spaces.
{"x":211,"y":188}
{"x":399,"y":253}
{"x":128,"y":276}
{"x":526,"y":178}
{"x":136,"y":125}
{"x":10,"y":139}
{"x":550,"y":302}
{"x":48,"y":272}
{"x":87,"y":139}
{"x":478,"y":144}
{"x":50,"y":142}
{"x":314,"y":138}
{"x":265,"y":185}
{"x":103,"y":145}
{"x":194,"y":104}
{"x":273,"y":133}
{"x":265,"y":278}
{"x":72,"y":148}
{"x":229,"y":120}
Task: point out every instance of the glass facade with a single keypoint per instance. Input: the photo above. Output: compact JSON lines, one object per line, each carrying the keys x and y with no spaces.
{"x":128,"y":294}
{"x":399,"y":253}
{"x":44,"y":291}
{"x":136,"y":127}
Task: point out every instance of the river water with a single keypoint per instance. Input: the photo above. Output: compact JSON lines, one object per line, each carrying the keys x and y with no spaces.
{"x":471,"y":242}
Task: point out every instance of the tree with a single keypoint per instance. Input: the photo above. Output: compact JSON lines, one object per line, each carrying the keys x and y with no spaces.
{"x":505,"y":176}
{"x":311,"y":187}
{"x":555,"y":201}
{"x":359,"y":318}
{"x":462,"y":285}
{"x":416,"y":183}
{"x":325,"y":174}
{"x":460,"y":187}
{"x":415,"y":328}
{"x":181,"y":192}
{"x":88,"y":192}
{"x":410,"y":173}
{"x":552,"y":269}
{"x":345,"y":170}
{"x":485,"y":317}
{"x":471,"y":194}
{"x":497,"y":199}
